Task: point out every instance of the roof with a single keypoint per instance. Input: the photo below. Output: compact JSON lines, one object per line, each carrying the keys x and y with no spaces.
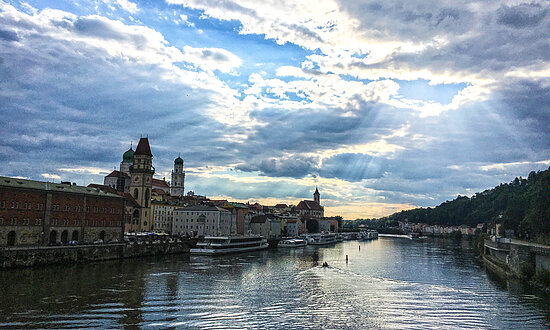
{"x":281,"y":206}
{"x":103,"y":187}
{"x":129,"y":198}
{"x":116,"y":174}
{"x":309,"y":205}
{"x":203,"y":208}
{"x":51,"y":186}
{"x":128,"y":156}
{"x":259,"y":219}
{"x":316,"y":191}
{"x":158,"y":191}
{"x":178,"y":160}
{"x":143,"y":147}
{"x":160,"y":183}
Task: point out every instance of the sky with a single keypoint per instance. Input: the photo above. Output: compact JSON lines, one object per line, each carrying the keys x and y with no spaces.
{"x":383,"y":106}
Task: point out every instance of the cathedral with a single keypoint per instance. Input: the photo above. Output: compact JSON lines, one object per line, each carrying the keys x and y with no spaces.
{"x":135,"y":179}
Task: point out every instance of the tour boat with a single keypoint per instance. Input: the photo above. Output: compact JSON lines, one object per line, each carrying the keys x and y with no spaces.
{"x":292,"y":242}
{"x":367,"y":235}
{"x":213,"y":245}
{"x":321,"y":239}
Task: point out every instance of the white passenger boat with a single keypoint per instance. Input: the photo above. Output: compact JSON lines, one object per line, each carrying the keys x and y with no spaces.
{"x":367,"y":235}
{"x":321,"y":239}
{"x":292,"y":242}
{"x":213,"y":245}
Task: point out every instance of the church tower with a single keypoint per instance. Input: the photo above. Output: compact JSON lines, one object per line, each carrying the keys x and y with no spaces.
{"x":317,"y":196}
{"x":178,"y":178}
{"x":127,"y":161}
{"x":141,"y":173}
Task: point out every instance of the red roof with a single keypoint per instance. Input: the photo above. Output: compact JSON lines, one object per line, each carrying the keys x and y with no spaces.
{"x":160,"y":183}
{"x":159,"y":191}
{"x":309,"y":205}
{"x":130,"y":198}
{"x":113,"y":174}
{"x":103,"y":187}
{"x":143,"y":147}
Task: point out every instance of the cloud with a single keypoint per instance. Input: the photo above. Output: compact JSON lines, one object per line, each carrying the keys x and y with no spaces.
{"x":211,"y":58}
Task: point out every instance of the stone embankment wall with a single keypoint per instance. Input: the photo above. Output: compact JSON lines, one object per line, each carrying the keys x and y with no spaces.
{"x":35,"y":256}
{"x":520,"y":260}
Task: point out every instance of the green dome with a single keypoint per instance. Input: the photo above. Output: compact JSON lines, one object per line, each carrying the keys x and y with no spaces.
{"x":178,"y":161}
{"x":128,"y":156}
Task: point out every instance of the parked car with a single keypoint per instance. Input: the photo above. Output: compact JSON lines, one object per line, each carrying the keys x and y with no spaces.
{"x":73,"y":243}
{"x":99,"y":241}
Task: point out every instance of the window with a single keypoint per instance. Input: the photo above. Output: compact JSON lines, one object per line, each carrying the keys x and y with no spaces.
{"x":2,"y":204}
{"x":13,"y":221}
{"x":136,"y":193}
{"x":1,"y":221}
{"x":14,"y":205}
{"x":55,"y":207}
{"x":38,"y":221}
{"x":66,"y":208}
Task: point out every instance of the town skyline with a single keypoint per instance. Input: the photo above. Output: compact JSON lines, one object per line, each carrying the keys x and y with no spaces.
{"x":384,"y":107}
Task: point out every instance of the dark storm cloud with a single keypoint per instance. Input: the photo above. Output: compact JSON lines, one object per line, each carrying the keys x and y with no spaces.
{"x":522,"y":15}
{"x":8,"y":35}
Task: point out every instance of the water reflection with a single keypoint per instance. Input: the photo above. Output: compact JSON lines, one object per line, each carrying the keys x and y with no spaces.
{"x":388,"y":283}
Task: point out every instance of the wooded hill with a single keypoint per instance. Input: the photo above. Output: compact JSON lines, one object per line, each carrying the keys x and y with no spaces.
{"x":522,"y":205}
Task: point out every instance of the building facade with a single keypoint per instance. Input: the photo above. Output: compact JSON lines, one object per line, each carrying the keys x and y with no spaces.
{"x":203,"y":220}
{"x":162,"y":216}
{"x":44,"y":213}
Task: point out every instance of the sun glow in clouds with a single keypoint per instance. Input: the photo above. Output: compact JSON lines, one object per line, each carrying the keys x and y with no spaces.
{"x":384,"y":106}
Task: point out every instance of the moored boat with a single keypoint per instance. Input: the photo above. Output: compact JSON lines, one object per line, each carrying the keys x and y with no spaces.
{"x":321,"y":239}
{"x":213,"y":245}
{"x":292,"y":242}
{"x":367,"y":235}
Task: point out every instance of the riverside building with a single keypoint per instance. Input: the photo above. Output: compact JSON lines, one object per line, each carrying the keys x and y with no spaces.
{"x":44,"y":213}
{"x":203,"y":220}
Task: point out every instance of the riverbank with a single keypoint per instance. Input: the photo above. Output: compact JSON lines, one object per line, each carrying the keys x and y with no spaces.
{"x":20,"y":257}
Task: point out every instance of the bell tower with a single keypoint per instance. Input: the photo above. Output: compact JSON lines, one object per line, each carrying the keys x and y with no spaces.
{"x":141,"y":173}
{"x":317,"y":196}
{"x":177,"y":184}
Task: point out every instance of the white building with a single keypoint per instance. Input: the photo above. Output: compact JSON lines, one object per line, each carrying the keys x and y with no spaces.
{"x":203,"y":220}
{"x":262,"y":225}
{"x":163,"y":216}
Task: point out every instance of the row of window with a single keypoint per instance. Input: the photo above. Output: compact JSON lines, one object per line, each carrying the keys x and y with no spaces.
{"x":56,"y":207}
{"x":65,"y":222}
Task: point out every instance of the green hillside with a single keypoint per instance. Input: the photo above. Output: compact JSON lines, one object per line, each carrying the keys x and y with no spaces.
{"x":522,"y":205}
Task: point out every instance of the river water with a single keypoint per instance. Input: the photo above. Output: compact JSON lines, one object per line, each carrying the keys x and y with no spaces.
{"x":388,"y":283}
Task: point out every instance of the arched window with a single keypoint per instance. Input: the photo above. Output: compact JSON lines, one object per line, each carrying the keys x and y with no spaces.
{"x":11,"y":238}
{"x":102,"y":235}
{"x":135,"y":217}
{"x":53,"y":237}
{"x":147,"y":197}
{"x":136,"y":193}
{"x":64,"y":237}
{"x":74,"y":237}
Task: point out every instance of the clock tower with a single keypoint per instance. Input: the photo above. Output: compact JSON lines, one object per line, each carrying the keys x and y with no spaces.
{"x":141,"y":184}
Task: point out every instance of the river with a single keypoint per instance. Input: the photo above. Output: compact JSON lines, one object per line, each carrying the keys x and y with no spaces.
{"x":387,"y":283}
